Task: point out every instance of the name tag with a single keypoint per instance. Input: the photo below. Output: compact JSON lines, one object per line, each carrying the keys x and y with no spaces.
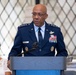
{"x":25,"y":42}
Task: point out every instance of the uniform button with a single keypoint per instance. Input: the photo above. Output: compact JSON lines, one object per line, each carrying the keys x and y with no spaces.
{"x":39,"y":49}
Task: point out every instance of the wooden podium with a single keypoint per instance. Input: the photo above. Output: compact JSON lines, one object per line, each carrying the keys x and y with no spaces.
{"x":38,"y":63}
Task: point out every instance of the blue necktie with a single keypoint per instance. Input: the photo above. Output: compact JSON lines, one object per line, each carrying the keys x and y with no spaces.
{"x":40,"y":37}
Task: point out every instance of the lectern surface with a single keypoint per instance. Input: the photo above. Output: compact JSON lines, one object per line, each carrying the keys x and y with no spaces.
{"x":38,"y":65}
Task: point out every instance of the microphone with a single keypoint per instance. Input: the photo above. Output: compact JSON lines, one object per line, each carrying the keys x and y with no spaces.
{"x":34,"y":46}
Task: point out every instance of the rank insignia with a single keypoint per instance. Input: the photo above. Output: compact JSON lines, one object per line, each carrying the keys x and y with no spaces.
{"x":46,"y":29}
{"x":31,"y":28}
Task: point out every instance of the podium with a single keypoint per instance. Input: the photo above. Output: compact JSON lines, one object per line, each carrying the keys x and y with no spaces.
{"x":38,"y":63}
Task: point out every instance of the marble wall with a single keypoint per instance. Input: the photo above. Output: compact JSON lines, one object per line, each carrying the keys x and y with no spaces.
{"x":15,"y":12}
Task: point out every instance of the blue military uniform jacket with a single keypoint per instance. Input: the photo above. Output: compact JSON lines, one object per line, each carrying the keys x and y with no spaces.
{"x":25,"y":38}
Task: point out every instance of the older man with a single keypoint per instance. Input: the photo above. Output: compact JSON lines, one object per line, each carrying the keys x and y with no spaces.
{"x":48,"y":37}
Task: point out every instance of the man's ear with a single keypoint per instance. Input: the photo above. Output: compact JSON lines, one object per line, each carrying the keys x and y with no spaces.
{"x":46,"y":16}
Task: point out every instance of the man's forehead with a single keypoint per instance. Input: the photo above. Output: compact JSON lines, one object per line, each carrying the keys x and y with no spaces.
{"x":39,"y":9}
{"x":40,"y":5}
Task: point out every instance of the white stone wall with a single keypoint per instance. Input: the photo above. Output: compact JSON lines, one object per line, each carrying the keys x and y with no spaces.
{"x":13,"y":14}
{"x":60,"y":12}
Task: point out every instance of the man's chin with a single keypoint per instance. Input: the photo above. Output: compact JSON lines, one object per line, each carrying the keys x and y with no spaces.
{"x":37,"y":24}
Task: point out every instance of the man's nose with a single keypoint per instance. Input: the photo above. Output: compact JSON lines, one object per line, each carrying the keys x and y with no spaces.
{"x":37,"y":16}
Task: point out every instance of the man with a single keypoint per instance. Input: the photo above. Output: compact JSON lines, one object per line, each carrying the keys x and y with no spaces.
{"x":47,"y":37}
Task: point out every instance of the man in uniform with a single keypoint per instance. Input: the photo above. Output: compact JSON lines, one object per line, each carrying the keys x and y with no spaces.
{"x":47,"y":37}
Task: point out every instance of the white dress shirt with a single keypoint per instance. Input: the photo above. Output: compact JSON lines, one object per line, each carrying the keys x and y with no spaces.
{"x":42,"y":31}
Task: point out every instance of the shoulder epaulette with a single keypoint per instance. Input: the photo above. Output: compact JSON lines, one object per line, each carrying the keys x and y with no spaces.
{"x":24,"y":25}
{"x":53,"y":25}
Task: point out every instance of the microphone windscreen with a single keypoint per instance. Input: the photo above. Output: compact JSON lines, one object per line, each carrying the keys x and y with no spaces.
{"x":35,"y":45}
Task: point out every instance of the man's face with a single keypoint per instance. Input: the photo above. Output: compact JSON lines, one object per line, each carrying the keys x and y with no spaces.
{"x":39,"y":15}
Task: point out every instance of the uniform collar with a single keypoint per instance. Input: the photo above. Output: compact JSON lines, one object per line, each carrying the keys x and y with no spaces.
{"x":42,"y":27}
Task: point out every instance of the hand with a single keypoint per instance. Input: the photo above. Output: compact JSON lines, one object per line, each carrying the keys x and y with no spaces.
{"x":8,"y":64}
{"x":0,"y":58}
{"x":8,"y":73}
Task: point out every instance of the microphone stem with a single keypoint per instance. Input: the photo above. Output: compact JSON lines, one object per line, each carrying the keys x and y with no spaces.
{"x":26,"y":51}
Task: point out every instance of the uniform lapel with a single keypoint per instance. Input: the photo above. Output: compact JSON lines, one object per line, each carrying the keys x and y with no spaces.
{"x":32,"y":33}
{"x":46,"y":36}
{"x":33,"y":36}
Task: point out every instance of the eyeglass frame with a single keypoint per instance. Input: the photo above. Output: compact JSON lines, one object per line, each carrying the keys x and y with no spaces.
{"x":39,"y":14}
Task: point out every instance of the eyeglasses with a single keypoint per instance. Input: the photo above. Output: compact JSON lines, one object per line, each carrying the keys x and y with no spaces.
{"x":39,"y":14}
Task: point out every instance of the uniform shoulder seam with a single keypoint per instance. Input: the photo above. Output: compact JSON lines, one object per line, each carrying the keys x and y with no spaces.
{"x":24,"y":25}
{"x":53,"y":25}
